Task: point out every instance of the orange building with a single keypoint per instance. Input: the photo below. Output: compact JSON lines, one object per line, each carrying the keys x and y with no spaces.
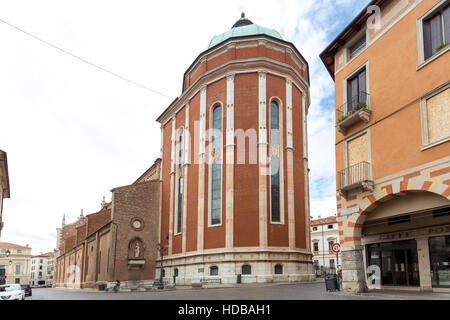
{"x":234,"y":163}
{"x":391,"y":67}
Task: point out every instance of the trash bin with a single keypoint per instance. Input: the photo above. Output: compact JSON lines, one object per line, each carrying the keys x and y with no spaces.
{"x":239,"y":278}
{"x":101,"y":287}
{"x":331,"y":282}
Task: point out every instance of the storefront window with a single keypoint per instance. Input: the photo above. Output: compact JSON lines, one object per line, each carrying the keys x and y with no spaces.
{"x":440,"y":261}
{"x":398,"y":262}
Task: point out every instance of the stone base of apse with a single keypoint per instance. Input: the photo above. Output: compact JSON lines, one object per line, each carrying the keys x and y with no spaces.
{"x":195,"y":267}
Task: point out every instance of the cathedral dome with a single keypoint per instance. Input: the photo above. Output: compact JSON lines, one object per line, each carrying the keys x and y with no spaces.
{"x":242,"y":28}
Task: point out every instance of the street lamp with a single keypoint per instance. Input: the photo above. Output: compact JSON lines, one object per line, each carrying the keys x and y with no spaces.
{"x":7,"y":253}
{"x":161,"y":249}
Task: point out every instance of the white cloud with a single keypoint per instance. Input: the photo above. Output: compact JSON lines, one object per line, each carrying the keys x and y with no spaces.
{"x":72,"y":133}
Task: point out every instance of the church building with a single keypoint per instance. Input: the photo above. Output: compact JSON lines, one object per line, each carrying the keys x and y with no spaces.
{"x":234,"y":171}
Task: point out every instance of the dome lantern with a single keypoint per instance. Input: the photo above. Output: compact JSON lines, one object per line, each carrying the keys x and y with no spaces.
{"x":244,"y":28}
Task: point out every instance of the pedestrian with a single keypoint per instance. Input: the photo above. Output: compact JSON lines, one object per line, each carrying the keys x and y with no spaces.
{"x":116,"y":286}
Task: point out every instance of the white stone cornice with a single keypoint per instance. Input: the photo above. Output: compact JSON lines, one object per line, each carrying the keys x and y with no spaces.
{"x":242,"y":43}
{"x":208,"y":78}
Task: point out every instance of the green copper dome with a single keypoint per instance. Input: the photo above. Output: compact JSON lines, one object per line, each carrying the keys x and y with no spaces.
{"x":243,"y":27}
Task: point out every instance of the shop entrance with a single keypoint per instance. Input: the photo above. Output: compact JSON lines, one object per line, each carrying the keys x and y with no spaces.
{"x":398,"y":262}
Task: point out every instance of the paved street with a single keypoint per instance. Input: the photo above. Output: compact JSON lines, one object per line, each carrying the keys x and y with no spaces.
{"x":298,"y":291}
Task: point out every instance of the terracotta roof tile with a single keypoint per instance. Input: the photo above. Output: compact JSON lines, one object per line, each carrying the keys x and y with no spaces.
{"x":48,"y":254}
{"x":326,"y":220}
{"x":12,"y":245}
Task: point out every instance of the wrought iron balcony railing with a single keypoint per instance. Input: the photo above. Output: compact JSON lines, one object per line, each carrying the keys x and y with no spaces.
{"x":356,"y":176}
{"x":355,"y":110}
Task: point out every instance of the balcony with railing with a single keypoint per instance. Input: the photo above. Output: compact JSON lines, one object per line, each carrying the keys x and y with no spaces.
{"x":354,"y":177}
{"x":355,"y":110}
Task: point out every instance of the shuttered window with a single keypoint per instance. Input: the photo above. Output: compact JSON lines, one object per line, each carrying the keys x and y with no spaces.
{"x":436,"y":32}
{"x":438,"y":116}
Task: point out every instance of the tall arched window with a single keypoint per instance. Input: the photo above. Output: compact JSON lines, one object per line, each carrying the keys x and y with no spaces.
{"x":274,"y":162}
{"x":180,"y":180}
{"x":216,"y":171}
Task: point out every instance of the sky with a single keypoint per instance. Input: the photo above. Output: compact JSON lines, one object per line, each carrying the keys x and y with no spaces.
{"x":73,"y":132}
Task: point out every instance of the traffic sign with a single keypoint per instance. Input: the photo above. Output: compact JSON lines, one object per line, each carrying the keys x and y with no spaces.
{"x":336,"y":247}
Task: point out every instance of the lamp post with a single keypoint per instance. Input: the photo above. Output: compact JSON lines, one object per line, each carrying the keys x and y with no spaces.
{"x":161,"y":248}
{"x":7,"y":253}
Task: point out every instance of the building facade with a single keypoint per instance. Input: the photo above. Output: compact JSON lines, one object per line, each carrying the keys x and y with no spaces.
{"x":391,"y":72}
{"x":15,"y":262}
{"x":117,"y":243}
{"x":325,"y":233}
{"x":4,"y":184}
{"x":235,"y":202}
{"x":42,"y":268}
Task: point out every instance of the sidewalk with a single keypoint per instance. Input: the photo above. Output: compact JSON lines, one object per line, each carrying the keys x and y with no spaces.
{"x":244,"y":285}
{"x":189,"y":287}
{"x":400,"y":294}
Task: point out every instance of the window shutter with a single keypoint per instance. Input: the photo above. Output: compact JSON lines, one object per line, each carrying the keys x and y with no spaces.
{"x":362,"y":86}
{"x":428,"y":51}
{"x":353,"y":93}
{"x":349,"y":95}
{"x":447,"y":24}
{"x":436,"y":32}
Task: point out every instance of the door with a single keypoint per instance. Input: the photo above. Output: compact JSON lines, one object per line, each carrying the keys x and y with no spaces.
{"x":386,"y":268}
{"x":399,"y":274}
{"x":398,"y":262}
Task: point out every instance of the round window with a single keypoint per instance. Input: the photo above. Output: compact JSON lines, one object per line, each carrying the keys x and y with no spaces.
{"x":137,"y":224}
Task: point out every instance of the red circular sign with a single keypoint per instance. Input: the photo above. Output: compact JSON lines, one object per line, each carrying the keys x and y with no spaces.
{"x":336,"y":247}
